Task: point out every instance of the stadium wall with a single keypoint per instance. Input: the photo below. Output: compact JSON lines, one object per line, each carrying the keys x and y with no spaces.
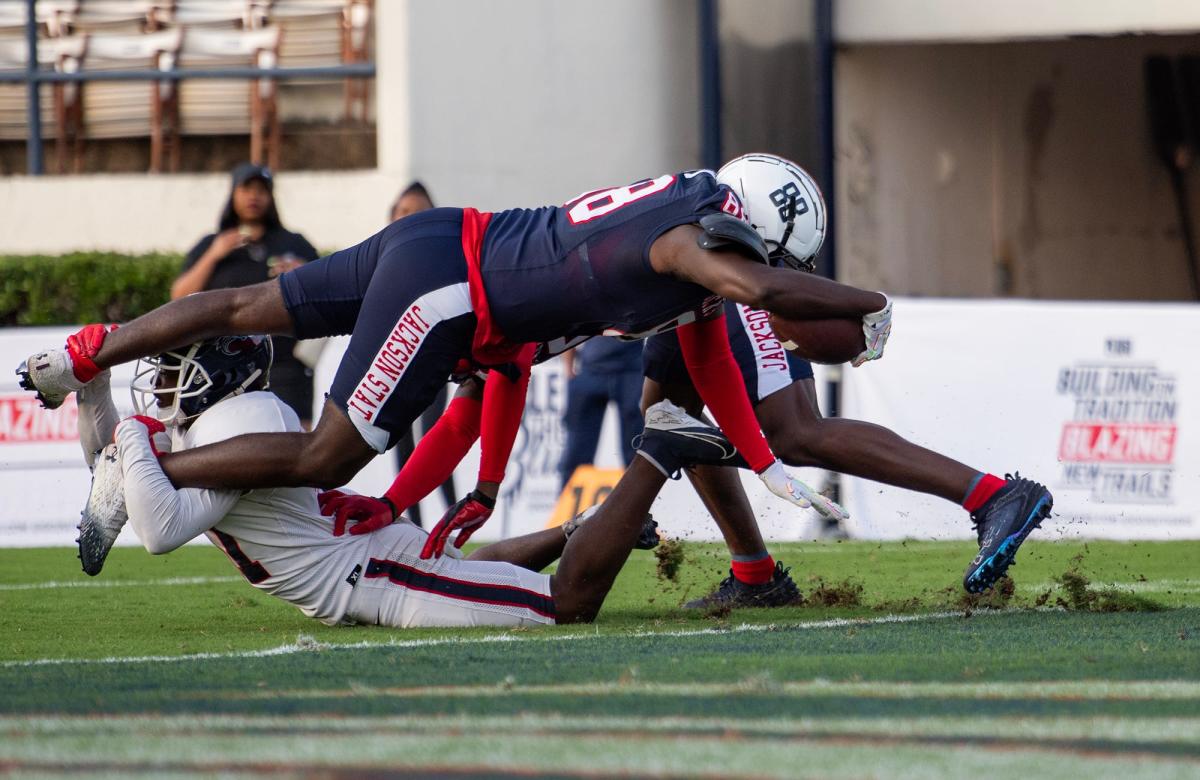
{"x":872,"y":21}
{"x":1023,"y":169}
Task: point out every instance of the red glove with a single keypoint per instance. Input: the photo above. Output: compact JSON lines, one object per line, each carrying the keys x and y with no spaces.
{"x":368,"y":514}
{"x":83,"y":346}
{"x":326,"y":497}
{"x":156,"y":431}
{"x":465,"y":517}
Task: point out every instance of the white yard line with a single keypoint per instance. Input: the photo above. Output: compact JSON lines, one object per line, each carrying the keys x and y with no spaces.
{"x":118,"y":583}
{"x":1043,"y":747}
{"x":1149,"y":586}
{"x":1024,"y":727}
{"x":305,"y":644}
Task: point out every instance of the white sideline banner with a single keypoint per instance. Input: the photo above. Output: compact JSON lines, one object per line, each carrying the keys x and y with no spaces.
{"x":43,"y":478}
{"x":1098,"y":401}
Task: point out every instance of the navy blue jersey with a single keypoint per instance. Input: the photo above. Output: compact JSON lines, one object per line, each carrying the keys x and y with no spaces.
{"x":562,"y":274}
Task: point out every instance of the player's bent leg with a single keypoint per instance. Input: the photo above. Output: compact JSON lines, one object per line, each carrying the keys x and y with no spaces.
{"x":258,"y":308}
{"x":755,"y":578}
{"x":54,"y":374}
{"x":720,"y":489}
{"x":596,"y":552}
{"x":800,"y":437}
{"x":326,"y":458}
{"x":1004,"y":512}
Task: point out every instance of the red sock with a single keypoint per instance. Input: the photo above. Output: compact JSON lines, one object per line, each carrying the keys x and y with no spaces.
{"x":438,"y":453}
{"x":754,"y":572}
{"x":984,"y":487}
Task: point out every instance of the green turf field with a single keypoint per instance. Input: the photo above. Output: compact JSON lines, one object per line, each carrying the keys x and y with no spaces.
{"x":1089,"y":666}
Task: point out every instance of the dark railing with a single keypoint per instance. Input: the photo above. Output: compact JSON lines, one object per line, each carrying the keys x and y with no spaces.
{"x":34,"y":77}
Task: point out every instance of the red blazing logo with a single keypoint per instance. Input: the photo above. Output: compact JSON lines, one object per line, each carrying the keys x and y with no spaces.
{"x":24,"y":421}
{"x":1117,"y":443}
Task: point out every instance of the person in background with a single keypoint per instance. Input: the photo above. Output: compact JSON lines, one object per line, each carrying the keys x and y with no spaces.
{"x":599,"y":371}
{"x":412,"y":199}
{"x":251,"y":246}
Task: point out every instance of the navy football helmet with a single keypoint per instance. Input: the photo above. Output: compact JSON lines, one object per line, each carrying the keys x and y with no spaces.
{"x":179,"y":385}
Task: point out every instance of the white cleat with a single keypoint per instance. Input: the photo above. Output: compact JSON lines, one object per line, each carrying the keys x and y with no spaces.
{"x":51,"y":375}
{"x":104,"y":514}
{"x":672,"y":439}
{"x":666,"y":415}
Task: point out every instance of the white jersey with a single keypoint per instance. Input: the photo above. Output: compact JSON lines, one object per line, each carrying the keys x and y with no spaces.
{"x":277,"y":537}
{"x":280,"y":541}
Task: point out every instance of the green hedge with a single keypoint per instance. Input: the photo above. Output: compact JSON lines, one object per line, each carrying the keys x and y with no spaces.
{"x":83,"y":287}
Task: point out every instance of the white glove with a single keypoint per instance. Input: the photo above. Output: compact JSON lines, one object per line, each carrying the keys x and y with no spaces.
{"x":877,"y":326}
{"x":787,"y":487}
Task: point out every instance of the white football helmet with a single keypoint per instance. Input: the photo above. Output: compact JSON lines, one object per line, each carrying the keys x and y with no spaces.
{"x":782,"y":203}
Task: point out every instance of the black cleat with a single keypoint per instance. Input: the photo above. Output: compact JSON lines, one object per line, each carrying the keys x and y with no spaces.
{"x":648,"y":539}
{"x":673,"y":440}
{"x":781,"y":591}
{"x":1001,"y":525}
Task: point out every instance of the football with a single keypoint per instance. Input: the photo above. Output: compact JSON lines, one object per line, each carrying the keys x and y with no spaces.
{"x":829,"y":341}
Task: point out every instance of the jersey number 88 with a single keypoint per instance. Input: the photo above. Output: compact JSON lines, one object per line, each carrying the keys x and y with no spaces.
{"x":591,"y":205}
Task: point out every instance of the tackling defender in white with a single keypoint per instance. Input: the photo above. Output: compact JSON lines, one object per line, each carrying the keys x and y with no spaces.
{"x":282,"y":542}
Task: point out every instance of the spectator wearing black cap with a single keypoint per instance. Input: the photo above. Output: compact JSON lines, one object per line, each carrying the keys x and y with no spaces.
{"x":252,"y":246}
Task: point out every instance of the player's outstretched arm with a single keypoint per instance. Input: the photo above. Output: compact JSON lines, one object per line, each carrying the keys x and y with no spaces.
{"x":782,"y":291}
{"x":163,"y":517}
{"x":441,"y":449}
{"x":503,"y":405}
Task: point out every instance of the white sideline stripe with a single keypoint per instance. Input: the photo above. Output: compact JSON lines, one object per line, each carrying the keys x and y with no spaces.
{"x":306,"y":643}
{"x":118,"y":583}
{"x":43,"y":738}
{"x":1149,"y":586}
{"x":1038,"y":728}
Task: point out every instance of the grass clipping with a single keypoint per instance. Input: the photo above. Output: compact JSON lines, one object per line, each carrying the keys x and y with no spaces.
{"x":1079,"y":595}
{"x":669,"y":554}
{"x":847,"y":593}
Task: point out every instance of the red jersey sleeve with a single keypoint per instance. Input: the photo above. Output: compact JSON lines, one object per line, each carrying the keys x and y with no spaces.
{"x":503,"y":405}
{"x":717,"y":378}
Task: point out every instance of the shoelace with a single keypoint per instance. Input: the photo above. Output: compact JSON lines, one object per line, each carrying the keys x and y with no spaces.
{"x":975,"y":520}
